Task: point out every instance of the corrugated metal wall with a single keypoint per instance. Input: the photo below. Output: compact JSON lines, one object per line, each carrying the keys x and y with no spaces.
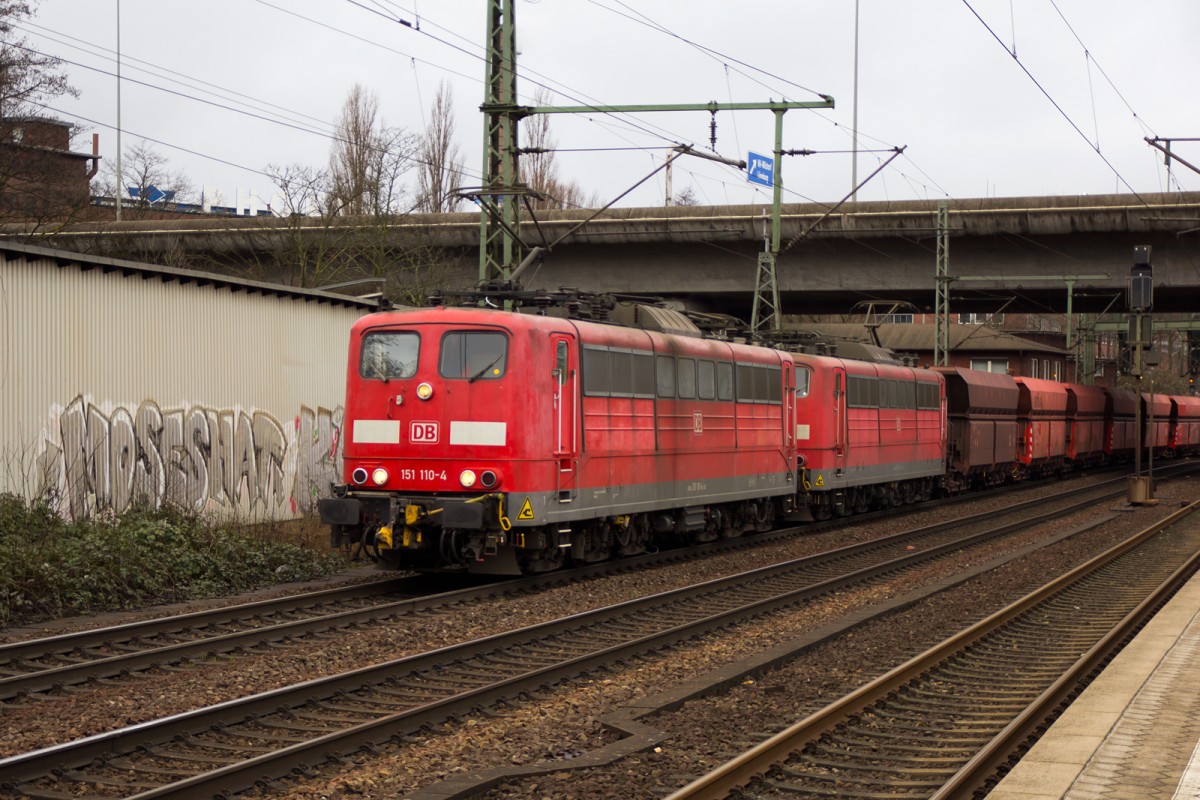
{"x":120,"y":386}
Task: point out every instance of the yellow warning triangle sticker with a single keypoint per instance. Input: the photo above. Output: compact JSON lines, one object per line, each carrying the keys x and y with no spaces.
{"x":526,"y":510}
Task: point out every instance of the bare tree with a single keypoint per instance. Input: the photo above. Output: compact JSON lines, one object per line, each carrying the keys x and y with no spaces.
{"x":394,"y":157}
{"x":686,"y":197}
{"x":301,"y":190}
{"x":145,"y":169}
{"x":307,"y":249}
{"x":368,"y":159}
{"x":539,"y":169}
{"x":315,"y":245}
{"x":440,"y":170}
{"x":350,"y":156}
{"x":27,"y":77}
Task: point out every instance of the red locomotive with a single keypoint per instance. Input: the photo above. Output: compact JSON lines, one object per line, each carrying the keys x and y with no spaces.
{"x":503,"y":443}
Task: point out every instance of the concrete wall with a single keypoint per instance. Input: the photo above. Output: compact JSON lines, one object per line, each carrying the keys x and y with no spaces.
{"x":122,"y":383}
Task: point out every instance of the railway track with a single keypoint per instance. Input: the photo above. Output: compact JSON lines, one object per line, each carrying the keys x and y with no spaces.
{"x":235,"y":744}
{"x":944,"y":724}
{"x":72,"y":662}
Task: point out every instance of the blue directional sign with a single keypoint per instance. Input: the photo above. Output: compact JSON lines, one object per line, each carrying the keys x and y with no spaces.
{"x":760,"y":169}
{"x":153,"y":194}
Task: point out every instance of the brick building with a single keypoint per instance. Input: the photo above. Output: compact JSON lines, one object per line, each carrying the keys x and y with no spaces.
{"x":40,"y":176}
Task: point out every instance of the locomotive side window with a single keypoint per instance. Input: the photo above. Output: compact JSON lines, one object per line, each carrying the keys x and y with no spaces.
{"x":665,"y":376}
{"x":758,"y":383}
{"x":474,"y":355}
{"x":927,"y":396}
{"x":597,"y":374}
{"x":745,"y":383}
{"x":561,"y":363}
{"x":724,"y":380}
{"x":803,"y":380}
{"x":706,"y":380}
{"x":685,"y":378}
{"x":624,"y":373}
{"x":858,"y":391}
{"x":388,"y":355}
{"x":621,"y":364}
{"x":617,"y":373}
{"x":643,"y":375}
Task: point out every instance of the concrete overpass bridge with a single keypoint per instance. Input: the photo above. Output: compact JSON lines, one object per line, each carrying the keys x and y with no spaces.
{"x":1014,"y":254}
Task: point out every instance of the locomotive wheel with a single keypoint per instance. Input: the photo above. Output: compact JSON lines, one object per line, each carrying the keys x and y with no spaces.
{"x":766,"y":517}
{"x":633,"y":538}
{"x":861,"y":499}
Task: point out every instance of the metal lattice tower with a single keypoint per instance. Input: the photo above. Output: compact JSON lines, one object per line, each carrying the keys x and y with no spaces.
{"x":765,"y":314}
{"x":499,"y":247}
{"x":941,"y":287}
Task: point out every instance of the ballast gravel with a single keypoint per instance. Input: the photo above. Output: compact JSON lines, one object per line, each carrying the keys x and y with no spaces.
{"x":565,"y":721}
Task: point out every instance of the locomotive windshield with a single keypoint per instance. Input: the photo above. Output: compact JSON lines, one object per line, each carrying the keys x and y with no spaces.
{"x":474,"y":355}
{"x":387,"y":355}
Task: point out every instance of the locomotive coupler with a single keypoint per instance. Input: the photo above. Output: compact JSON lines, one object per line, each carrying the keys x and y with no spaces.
{"x":491,"y":543}
{"x":385,"y":535}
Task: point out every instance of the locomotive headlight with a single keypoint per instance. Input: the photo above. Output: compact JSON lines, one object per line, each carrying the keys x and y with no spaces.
{"x":359,"y":475}
{"x":467,"y":478}
{"x":488,"y":479}
{"x":424,"y":391}
{"x":379,"y":476}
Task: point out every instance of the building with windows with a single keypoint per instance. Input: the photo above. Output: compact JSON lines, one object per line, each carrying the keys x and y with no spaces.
{"x":974,"y":346}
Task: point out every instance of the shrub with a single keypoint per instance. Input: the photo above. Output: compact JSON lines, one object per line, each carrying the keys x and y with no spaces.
{"x":53,"y":568}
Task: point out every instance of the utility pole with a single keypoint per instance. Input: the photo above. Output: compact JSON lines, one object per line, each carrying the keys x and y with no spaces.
{"x":854,"y":116}
{"x":120,"y":178}
{"x":1140,"y":301}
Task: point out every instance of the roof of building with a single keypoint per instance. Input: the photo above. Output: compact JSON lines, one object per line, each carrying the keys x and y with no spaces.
{"x":41,"y":148}
{"x":25,"y":120}
{"x":12,"y":250}
{"x":918,"y":337}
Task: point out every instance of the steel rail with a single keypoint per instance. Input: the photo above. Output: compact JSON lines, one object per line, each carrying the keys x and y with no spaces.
{"x":140,"y":629}
{"x":743,"y":769}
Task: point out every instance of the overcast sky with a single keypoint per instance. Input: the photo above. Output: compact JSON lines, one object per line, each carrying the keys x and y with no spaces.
{"x":933,"y":76}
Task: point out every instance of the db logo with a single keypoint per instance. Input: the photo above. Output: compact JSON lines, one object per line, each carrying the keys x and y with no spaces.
{"x":423,"y":433}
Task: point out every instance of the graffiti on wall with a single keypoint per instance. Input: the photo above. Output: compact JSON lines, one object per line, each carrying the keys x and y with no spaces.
{"x":236,"y":462}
